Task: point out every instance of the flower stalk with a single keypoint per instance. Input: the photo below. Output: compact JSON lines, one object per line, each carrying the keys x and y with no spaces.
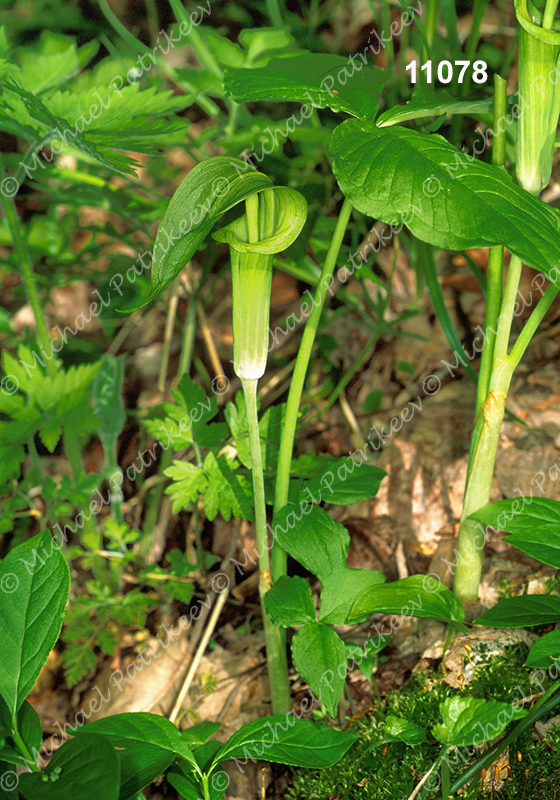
{"x":273,"y":219}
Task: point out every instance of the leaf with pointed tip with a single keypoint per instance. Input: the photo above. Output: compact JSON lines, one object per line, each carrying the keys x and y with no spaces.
{"x":325,"y":79}
{"x":35,"y":583}
{"x":445,"y":197}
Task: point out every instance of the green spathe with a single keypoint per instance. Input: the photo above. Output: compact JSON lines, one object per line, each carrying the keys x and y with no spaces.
{"x":277,"y":217}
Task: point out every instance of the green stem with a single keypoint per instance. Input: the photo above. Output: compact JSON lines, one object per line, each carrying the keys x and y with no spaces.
{"x":279,"y":558}
{"x":275,"y":649}
{"x":206,"y":786}
{"x":506,"y":313}
{"x":431,"y":25}
{"x":495,"y":257}
{"x":549,"y":14}
{"x":23,"y":749}
{"x":20,"y":247}
{"x":274,"y":13}
{"x":531,"y":326}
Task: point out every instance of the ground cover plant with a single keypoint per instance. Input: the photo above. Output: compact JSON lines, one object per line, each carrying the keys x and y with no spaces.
{"x":80,"y":119}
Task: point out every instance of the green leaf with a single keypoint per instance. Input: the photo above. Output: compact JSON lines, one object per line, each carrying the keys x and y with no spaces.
{"x":322,"y":79}
{"x":427,"y":102}
{"x":83,"y":768}
{"x":188,"y":786}
{"x":9,"y":789}
{"x":544,"y":651}
{"x":319,"y":656}
{"x":535,"y":525}
{"x":287,"y":740}
{"x":290,"y":602}
{"x":398,"y":729}
{"x":468,"y":721}
{"x":129,"y":729}
{"x":343,"y":482}
{"x":28,"y":725}
{"x":199,"y":734}
{"x":401,"y":176}
{"x":416,"y":596}
{"x":35,"y":580}
{"x":139,"y":766}
{"x":521,"y":612}
{"x":264,"y":40}
{"x":188,"y":482}
{"x":227,"y":492}
{"x":320,"y":544}
{"x":208,"y":191}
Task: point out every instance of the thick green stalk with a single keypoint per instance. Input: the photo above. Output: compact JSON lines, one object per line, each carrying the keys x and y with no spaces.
{"x":495,"y":256}
{"x":279,"y":558}
{"x":275,"y":650}
{"x":470,"y":547}
{"x":20,"y":247}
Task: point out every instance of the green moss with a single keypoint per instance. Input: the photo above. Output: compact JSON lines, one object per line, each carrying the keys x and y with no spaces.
{"x":373,"y":772}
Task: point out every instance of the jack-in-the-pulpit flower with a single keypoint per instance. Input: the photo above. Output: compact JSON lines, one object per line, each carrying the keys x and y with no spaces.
{"x":272,"y":221}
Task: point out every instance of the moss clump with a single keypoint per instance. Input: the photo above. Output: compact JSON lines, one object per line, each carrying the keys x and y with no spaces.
{"x":372,"y":772}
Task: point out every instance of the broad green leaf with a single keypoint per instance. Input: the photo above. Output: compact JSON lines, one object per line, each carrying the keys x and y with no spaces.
{"x":208,"y":191}
{"x":535,"y":525}
{"x":343,"y":482}
{"x":189,"y":785}
{"x":445,"y":197}
{"x":28,"y":725}
{"x":130,"y":729}
{"x":319,"y":656}
{"x":139,"y":766}
{"x":416,"y":596}
{"x":290,"y":602}
{"x":83,"y":768}
{"x":320,"y":544}
{"x":521,"y":612}
{"x":322,"y":79}
{"x":288,"y":740}
{"x":516,"y":515}
{"x":199,"y":734}
{"x":544,"y":651}
{"x":468,"y":721}
{"x":35,"y":583}
{"x":398,"y":729}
